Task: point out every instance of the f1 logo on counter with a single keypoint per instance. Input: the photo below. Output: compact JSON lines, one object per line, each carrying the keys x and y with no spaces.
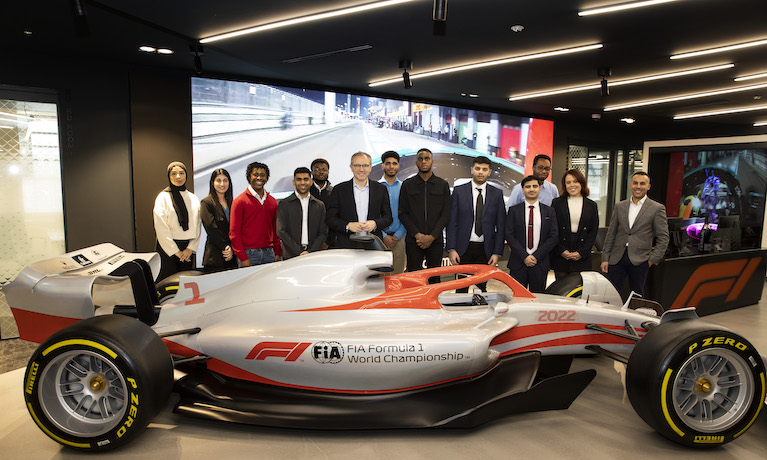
{"x":288,"y":350}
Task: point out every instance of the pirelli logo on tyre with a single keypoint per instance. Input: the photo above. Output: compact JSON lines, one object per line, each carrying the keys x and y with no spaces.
{"x":708,"y":439}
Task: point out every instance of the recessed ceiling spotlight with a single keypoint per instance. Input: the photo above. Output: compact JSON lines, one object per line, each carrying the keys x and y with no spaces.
{"x":27,"y":32}
{"x":164,"y":51}
{"x":147,"y":49}
{"x":517,"y":28}
{"x":628,"y":120}
{"x":757,"y":98}
{"x":561,"y":109}
{"x":473,"y":95}
{"x":463,"y":94}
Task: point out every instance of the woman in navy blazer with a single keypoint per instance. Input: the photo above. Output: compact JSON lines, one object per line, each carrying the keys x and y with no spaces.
{"x":573,"y":250}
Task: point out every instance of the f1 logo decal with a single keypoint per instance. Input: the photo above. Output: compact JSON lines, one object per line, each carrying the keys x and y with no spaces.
{"x":715,"y":279}
{"x":288,"y":350}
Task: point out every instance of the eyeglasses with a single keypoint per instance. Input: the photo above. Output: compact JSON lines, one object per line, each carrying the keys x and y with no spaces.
{"x":543,"y":168}
{"x":358,"y":166}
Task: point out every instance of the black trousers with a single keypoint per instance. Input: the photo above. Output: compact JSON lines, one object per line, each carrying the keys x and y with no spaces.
{"x":533,"y":278}
{"x":169,"y":264}
{"x":415,"y":256}
{"x":475,"y":254}
{"x":637,"y":274}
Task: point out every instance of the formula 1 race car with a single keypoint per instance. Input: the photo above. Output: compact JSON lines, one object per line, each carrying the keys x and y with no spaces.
{"x":325,"y":340}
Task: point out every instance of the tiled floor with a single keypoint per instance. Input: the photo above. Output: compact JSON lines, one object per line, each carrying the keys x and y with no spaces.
{"x":600,"y":424}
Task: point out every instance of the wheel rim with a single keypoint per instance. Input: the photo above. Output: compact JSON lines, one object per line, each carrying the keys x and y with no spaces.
{"x":713,"y":390}
{"x":83,"y":393}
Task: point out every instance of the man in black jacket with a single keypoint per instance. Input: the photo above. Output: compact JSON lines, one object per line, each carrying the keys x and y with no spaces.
{"x":358,"y":205}
{"x":424,"y":209}
{"x":301,"y":223}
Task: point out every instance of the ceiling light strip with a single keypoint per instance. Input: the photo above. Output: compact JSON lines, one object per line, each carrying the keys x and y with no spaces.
{"x":621,"y":7}
{"x":720,"y":112}
{"x":478,"y":65}
{"x":303,"y":19}
{"x":760,"y":123}
{"x":752,"y":77}
{"x":630,"y":81}
{"x":684,"y":97}
{"x":719,"y":49}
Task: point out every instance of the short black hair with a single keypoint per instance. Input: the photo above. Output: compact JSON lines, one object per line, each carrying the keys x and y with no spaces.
{"x":389,"y":154}
{"x":300,"y":170}
{"x":481,"y":160}
{"x":253,"y":166}
{"x":642,"y":173}
{"x":423,"y":150}
{"x":320,"y":160}
{"x":529,"y":178}
{"x":541,"y":157}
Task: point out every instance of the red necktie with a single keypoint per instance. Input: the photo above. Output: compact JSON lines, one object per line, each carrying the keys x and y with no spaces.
{"x":530,"y":229}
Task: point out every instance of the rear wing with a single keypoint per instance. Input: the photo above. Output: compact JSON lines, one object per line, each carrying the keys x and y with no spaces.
{"x":68,"y":288}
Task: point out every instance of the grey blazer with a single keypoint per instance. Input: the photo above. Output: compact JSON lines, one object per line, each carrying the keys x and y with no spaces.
{"x":647,"y":239}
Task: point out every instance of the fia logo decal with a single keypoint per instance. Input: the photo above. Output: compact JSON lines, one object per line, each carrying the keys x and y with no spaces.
{"x":328,"y":352}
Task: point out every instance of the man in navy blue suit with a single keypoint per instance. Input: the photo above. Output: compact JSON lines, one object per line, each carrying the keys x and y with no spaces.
{"x":476,"y":227}
{"x":531,"y":231}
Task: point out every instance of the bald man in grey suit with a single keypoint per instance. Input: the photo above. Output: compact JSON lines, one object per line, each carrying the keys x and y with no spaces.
{"x":636,"y":238}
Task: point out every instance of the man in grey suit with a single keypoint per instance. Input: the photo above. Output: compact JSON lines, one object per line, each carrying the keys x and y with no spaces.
{"x":636,"y":238}
{"x":301,"y":223}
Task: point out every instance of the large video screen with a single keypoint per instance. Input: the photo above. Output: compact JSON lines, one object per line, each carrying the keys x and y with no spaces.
{"x":724,"y":187}
{"x":235,"y":123}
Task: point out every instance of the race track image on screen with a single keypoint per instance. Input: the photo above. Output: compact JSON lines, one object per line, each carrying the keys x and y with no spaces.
{"x":236,"y":123}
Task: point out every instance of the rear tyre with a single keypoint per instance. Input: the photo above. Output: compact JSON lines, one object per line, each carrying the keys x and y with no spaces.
{"x":696,"y":383}
{"x":97,"y":384}
{"x":570,"y":285}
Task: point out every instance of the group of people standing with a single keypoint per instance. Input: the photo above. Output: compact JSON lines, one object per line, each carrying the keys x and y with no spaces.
{"x":544,"y":228}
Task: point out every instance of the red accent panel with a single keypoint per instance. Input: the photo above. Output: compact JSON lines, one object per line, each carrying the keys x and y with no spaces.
{"x":540,"y":140}
{"x":411,"y":291}
{"x":589,"y":339}
{"x":36,"y":327}
{"x":524,"y":332}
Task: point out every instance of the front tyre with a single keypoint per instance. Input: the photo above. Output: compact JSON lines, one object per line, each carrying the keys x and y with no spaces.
{"x":97,"y":384}
{"x":696,"y":383}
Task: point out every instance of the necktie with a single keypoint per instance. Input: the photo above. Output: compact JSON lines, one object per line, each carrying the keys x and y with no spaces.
{"x":478,"y":213}
{"x":530,"y":229}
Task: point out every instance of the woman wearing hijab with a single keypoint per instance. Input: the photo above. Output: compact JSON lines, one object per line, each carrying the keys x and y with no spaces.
{"x":176,"y":223}
{"x":214,"y":210}
{"x":578,"y":220}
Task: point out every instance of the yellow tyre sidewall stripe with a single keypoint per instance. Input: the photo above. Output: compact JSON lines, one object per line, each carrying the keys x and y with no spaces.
{"x":574,"y":291}
{"x":87,"y":343}
{"x":80,"y":445}
{"x":664,"y":403}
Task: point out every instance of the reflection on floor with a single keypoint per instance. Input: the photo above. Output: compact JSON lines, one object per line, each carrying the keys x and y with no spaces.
{"x":599,"y":425}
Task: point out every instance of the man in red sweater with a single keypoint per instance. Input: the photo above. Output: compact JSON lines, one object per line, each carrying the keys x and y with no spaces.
{"x":253,"y":221}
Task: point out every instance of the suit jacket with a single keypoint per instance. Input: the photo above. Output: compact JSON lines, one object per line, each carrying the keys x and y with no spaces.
{"x":461,"y":221}
{"x":584,"y":237}
{"x":218,"y":233}
{"x":516,"y":236}
{"x":342,"y":209}
{"x":647,"y":239}
{"x":289,"y":222}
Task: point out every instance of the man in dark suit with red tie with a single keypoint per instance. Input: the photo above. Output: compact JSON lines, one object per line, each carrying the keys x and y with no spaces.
{"x":475,"y":231}
{"x":531,"y":231}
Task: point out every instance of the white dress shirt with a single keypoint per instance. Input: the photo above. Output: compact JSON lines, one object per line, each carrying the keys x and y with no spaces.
{"x":304,"y":218}
{"x":634,"y":209}
{"x":362,"y":200}
{"x":536,"y":224}
{"x":474,"y":193}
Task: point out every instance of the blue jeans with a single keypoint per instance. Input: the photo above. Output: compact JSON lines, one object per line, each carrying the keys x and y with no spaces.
{"x":258,"y":256}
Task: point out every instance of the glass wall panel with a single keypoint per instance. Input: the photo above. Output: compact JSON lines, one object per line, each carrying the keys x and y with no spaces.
{"x":31,"y":211}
